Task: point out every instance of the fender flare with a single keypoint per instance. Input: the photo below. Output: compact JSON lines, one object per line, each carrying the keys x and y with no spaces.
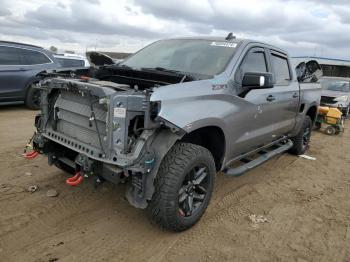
{"x":300,"y":118}
{"x":163,"y":142}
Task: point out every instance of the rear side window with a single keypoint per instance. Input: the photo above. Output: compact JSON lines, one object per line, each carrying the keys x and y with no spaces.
{"x":31,"y":57}
{"x":281,"y":69}
{"x":10,"y":56}
{"x":254,"y":62}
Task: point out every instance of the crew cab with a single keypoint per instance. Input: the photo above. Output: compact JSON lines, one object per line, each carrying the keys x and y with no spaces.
{"x":171,"y":116}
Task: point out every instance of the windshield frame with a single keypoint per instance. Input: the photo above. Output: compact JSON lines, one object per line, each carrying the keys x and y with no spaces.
{"x":194,"y":74}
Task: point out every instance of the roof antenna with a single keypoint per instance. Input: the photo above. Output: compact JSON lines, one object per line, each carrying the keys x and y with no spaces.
{"x":230,"y":36}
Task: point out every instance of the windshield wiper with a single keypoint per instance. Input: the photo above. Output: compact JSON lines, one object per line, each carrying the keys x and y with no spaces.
{"x":120,"y":66}
{"x":175,"y":72}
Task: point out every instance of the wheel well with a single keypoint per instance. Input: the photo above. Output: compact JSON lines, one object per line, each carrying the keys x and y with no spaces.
{"x":212,"y":138}
{"x":312,"y":112}
{"x":32,"y":80}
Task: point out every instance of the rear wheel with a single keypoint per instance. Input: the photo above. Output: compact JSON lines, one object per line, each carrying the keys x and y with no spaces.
{"x":183,"y":187}
{"x":33,"y":97}
{"x":302,"y":139}
{"x":317,"y":125}
{"x":345,"y":112}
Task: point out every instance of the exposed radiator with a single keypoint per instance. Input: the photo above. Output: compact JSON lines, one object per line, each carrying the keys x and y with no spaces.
{"x":73,"y":113}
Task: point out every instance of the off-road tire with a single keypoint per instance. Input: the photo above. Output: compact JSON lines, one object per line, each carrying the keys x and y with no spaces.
{"x":29,"y":101}
{"x":163,"y":209}
{"x":346,"y":112}
{"x":317,"y":125}
{"x":298,"y":146}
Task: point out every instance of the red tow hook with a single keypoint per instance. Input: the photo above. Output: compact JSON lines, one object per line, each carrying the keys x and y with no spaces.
{"x":30,"y":155}
{"x":75,"y":180}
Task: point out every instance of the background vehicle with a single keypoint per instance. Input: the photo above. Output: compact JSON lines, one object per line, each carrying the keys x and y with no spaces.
{"x":336,"y":93}
{"x":19,"y":66}
{"x":71,"y":60}
{"x":332,"y":117}
{"x":169,"y":117}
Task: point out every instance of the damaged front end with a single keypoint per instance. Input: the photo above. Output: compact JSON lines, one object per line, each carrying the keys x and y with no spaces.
{"x":104,"y":130}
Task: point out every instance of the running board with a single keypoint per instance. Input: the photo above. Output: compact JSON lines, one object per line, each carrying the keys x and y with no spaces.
{"x":264,"y":156}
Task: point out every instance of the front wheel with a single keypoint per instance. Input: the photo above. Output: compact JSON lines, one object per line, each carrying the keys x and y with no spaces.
{"x":183,"y":187}
{"x":302,"y":139}
{"x":33,"y":97}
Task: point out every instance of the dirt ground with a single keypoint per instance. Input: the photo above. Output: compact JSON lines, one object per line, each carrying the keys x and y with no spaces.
{"x":304,"y":207}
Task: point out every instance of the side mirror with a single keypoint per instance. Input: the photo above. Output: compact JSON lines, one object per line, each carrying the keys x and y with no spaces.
{"x":257,"y":80}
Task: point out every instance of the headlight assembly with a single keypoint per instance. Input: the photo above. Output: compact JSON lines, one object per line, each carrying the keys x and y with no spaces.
{"x":341,"y":98}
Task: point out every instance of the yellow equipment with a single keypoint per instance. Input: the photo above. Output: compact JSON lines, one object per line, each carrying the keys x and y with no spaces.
{"x":331,"y":116}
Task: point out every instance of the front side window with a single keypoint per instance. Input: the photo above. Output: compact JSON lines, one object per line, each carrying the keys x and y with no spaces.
{"x":10,"y":56}
{"x":31,"y":57}
{"x":254,"y":62}
{"x":281,"y":69}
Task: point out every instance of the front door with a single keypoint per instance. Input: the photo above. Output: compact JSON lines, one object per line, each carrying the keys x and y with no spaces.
{"x":261,"y":109}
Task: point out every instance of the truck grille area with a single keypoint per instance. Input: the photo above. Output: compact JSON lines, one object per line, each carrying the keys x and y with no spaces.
{"x":73,"y":118}
{"x":327,"y":100}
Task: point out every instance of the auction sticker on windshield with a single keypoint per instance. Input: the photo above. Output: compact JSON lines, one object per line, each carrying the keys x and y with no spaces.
{"x":224,"y":44}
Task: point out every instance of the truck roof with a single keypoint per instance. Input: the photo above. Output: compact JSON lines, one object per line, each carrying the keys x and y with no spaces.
{"x":233,"y":40}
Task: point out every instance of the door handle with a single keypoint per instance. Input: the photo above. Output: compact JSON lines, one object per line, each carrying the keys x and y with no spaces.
{"x":271,"y":98}
{"x":295,"y":95}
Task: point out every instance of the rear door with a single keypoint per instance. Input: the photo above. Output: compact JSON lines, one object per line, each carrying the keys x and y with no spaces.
{"x":285,"y":93}
{"x":10,"y":73}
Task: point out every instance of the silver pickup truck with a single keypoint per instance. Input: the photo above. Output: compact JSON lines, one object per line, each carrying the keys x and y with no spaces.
{"x":171,"y":116}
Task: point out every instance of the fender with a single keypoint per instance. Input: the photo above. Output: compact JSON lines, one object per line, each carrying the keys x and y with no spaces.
{"x":193,"y":105}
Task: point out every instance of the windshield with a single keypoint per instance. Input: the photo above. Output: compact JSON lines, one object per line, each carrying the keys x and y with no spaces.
{"x":341,"y":86}
{"x":202,"y":57}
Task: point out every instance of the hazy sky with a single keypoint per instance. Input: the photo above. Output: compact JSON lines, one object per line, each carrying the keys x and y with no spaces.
{"x":301,"y":27}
